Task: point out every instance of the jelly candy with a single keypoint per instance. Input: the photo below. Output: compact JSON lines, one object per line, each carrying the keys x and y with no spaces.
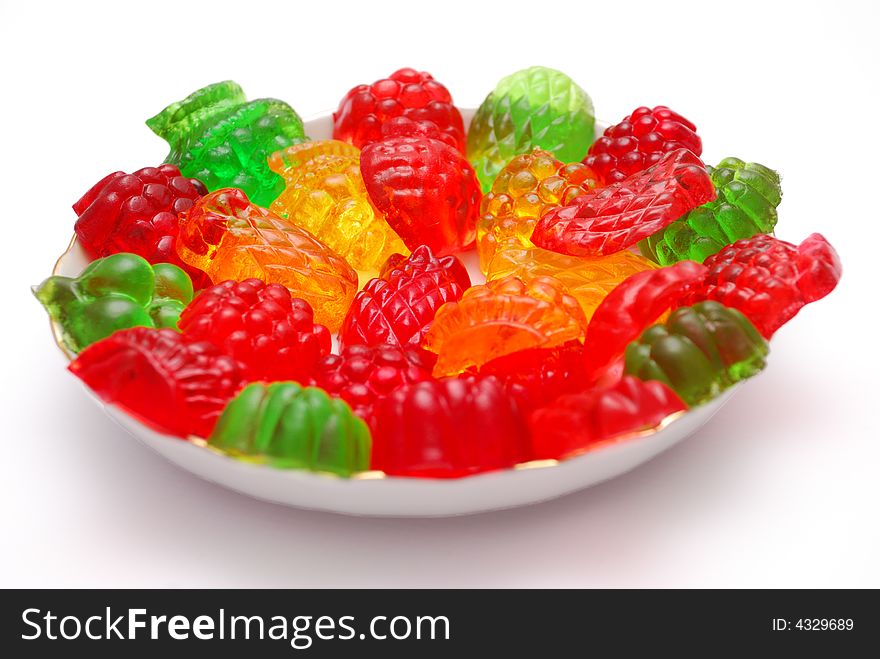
{"x":768,"y":279}
{"x":364,"y":375}
{"x":426,"y":190}
{"x":118,"y":291}
{"x":405,"y":127}
{"x":699,"y":351}
{"x":137,"y":213}
{"x":422,"y":261}
{"x":535,"y":107}
{"x":632,"y":306}
{"x":748,"y":194}
{"x":639,"y":141}
{"x":501,"y":317}
{"x":577,"y":422}
{"x":538,"y":376}
{"x":398,"y":307}
{"x":449,"y":428}
{"x":271,"y":334}
{"x":589,"y":281}
{"x":172,"y":384}
{"x":288,"y":426}
{"x":230,"y":238}
{"x":528,"y":186}
{"x":325,"y":195}
{"x":612,"y":218}
{"x":219,"y":137}
{"x":405,"y":93}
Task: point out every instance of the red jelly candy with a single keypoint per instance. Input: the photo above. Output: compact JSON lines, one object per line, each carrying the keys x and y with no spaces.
{"x":607,"y":220}
{"x":632,"y":306}
{"x":406,"y":93}
{"x":579,"y":421}
{"x":768,"y":279}
{"x":639,"y":141}
{"x":398,"y":307}
{"x":426,"y":189}
{"x":536,"y":377}
{"x":138,"y":213}
{"x":364,"y":375}
{"x":169,"y":382}
{"x":449,"y":428}
{"x":272,"y":334}
{"x":406,"y":127}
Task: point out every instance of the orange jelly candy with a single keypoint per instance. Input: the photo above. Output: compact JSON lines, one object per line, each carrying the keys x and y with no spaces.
{"x":588,"y":280}
{"x":502,"y":317}
{"x":228,"y":237}
{"x":325,"y":194}
{"x":528,"y":186}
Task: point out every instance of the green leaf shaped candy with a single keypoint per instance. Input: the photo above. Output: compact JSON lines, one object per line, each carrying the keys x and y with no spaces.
{"x":699,"y":351}
{"x":295,"y":427}
{"x":220,"y":138}
{"x":119,"y":291}
{"x":535,"y":107}
{"x":748,"y":194}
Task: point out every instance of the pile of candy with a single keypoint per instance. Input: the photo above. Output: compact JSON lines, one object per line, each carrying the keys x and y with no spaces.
{"x":625,"y":280}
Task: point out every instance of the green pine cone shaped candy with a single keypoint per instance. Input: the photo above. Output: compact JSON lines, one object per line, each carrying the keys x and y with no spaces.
{"x":220,"y":138}
{"x":294,"y":427}
{"x":748,"y":194}
{"x":119,"y":291}
{"x":535,"y":107}
{"x":699,"y":351}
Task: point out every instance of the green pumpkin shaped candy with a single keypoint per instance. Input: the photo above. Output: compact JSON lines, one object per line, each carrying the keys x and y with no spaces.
{"x":699,"y":351}
{"x":294,"y":427}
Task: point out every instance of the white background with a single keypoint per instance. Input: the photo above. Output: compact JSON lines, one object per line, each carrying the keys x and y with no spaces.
{"x":780,"y":489}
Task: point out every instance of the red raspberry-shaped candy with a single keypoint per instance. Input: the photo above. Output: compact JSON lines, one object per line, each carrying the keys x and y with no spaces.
{"x":449,"y":428}
{"x":576,"y":422}
{"x":406,"y":93}
{"x":363,"y":375}
{"x":398,"y":307}
{"x":426,"y":189}
{"x":640,"y":140}
{"x":768,"y":279}
{"x":138,"y":213}
{"x":537,"y":376}
{"x":171,"y":383}
{"x":261,"y":325}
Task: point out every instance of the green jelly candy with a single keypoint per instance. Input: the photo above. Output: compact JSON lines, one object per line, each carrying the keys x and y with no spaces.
{"x":699,"y":351}
{"x":124,"y":273}
{"x":119,"y":291}
{"x":293,"y":427}
{"x":535,"y":107}
{"x":97,"y":319}
{"x":223,"y":140}
{"x":748,"y":194}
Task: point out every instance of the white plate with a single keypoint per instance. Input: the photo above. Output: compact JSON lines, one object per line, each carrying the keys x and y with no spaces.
{"x":375,"y":494}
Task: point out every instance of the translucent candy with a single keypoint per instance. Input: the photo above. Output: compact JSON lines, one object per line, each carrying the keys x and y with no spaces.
{"x":227,"y":237}
{"x":325,"y":195}
{"x":528,"y":186}
{"x":534,"y":107}
{"x":502,"y":317}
